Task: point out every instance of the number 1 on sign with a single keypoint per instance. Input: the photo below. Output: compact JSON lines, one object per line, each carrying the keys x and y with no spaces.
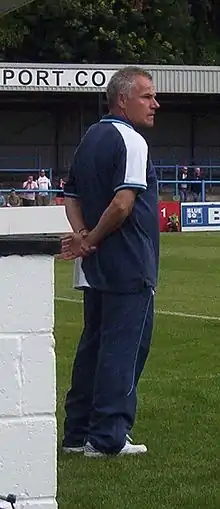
{"x":163,"y":212}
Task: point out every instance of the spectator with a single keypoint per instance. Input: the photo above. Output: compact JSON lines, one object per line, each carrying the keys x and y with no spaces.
{"x":44,"y":185}
{"x":61,"y":184}
{"x":29,"y":198}
{"x":2,"y":200}
{"x":13,"y":200}
{"x":196,"y":189}
{"x":60,"y":193}
{"x":183,"y":188}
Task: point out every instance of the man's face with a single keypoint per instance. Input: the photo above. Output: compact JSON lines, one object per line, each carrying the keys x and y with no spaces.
{"x":30,"y":179}
{"x":140,"y":106}
{"x":42,"y":173}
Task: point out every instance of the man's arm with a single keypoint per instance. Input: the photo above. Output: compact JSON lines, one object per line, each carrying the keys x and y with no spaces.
{"x":85,"y":243}
{"x":113,"y":217}
{"x":71,"y":243}
{"x":74,"y":213}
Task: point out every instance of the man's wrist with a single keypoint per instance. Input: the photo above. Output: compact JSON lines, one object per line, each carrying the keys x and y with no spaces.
{"x":82,"y":230}
{"x":91,"y":239}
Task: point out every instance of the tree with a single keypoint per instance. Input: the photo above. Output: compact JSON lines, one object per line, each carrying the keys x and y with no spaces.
{"x":7,"y":6}
{"x":113,"y":31}
{"x":168,"y":31}
{"x":206,"y":19}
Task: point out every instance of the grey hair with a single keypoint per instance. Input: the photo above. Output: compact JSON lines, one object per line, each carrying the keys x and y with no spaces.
{"x":122,"y":81}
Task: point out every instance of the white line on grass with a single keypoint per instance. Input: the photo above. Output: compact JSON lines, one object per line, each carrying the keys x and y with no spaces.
{"x":158,"y":311}
{"x":177,"y":378}
{"x":66,"y":299}
{"x":187,"y":315}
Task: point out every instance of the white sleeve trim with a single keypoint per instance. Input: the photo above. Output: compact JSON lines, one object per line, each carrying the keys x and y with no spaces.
{"x":130,"y":186}
{"x":136,"y":156}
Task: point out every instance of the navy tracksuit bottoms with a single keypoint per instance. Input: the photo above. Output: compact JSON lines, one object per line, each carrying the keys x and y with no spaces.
{"x":101,"y":404}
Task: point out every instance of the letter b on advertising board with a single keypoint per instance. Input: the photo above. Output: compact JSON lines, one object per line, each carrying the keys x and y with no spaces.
{"x":214,"y":215}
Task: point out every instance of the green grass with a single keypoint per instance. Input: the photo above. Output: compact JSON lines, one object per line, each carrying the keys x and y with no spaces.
{"x":179,"y":393}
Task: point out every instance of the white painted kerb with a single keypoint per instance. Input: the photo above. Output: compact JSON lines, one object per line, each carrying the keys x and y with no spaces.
{"x":28,"y":437}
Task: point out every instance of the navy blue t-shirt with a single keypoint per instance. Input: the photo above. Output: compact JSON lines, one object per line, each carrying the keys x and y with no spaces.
{"x":112,"y":156}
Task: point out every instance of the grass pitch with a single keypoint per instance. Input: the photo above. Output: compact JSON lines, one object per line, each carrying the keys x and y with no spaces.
{"x":179,"y":392}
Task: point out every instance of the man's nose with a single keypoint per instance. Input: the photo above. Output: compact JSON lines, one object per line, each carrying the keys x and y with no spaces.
{"x":156,"y":104}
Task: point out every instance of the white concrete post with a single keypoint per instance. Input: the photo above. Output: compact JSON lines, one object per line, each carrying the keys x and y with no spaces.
{"x":28,"y":438}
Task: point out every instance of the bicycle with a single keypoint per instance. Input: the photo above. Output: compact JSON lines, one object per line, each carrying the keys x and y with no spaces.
{"x":10,"y":499}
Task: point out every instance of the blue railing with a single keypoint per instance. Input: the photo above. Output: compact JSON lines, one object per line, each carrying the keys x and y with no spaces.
{"x":166,"y":172}
{"x":174,"y":183}
{"x":203,"y":183}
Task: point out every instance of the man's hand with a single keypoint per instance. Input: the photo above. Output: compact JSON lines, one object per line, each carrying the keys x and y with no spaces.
{"x":86,"y":247}
{"x":71,"y":246}
{"x":74,"y":246}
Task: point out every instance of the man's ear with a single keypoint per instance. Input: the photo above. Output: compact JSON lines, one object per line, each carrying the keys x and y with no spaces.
{"x":122,"y":101}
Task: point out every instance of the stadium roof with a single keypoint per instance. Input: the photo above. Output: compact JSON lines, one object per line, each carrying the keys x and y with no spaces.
{"x":31,"y":77}
{"x":7,"y":6}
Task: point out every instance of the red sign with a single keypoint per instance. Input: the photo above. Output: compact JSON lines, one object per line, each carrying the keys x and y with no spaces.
{"x":166,"y":209}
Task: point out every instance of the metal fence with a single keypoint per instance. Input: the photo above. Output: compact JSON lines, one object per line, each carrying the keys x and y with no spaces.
{"x":169,"y":176}
{"x":173,"y":183}
{"x":175,"y":186}
{"x":165,"y":172}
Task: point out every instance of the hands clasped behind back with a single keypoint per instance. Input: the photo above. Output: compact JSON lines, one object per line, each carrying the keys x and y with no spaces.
{"x":76,"y":245}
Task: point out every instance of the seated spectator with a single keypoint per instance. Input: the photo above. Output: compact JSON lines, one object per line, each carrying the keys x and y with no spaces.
{"x":28,"y":199}
{"x":44,"y":185}
{"x":2,"y":200}
{"x":13,"y":200}
{"x":183,"y":187}
{"x":196,"y":189}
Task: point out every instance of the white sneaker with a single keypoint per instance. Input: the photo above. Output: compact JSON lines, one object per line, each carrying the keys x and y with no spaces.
{"x":128,"y":448}
{"x":72,"y":450}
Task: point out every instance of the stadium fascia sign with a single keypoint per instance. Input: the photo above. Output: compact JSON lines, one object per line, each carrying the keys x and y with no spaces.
{"x":55,"y":79}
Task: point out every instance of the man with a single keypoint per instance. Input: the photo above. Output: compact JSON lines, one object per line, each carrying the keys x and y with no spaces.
{"x":13,"y":200}
{"x":196,"y":189}
{"x":111,"y":203}
{"x":29,"y":198}
{"x":44,"y":185}
{"x":183,"y":186}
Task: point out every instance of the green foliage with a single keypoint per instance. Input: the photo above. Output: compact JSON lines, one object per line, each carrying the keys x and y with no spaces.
{"x":113,"y":31}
